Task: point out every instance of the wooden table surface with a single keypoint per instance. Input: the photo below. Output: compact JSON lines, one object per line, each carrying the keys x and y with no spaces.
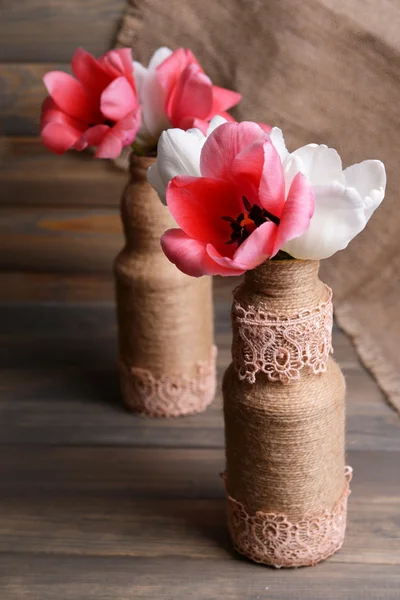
{"x":96,"y":503}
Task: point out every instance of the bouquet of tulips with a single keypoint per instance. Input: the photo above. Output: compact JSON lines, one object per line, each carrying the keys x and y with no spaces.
{"x":239,"y":197}
{"x":112,"y":102}
{"x":237,"y":194}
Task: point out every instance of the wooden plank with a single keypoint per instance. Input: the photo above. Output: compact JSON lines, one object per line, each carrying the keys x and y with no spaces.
{"x":92,"y":325}
{"x":38,"y":577}
{"x":79,"y":240}
{"x":22,"y":95}
{"x":51,"y":30}
{"x":31,"y":174}
{"x":155,"y":503}
{"x":75,"y":398}
{"x":26,"y":287}
{"x":82,"y":406}
{"x":86,"y":524}
{"x":160,"y":473}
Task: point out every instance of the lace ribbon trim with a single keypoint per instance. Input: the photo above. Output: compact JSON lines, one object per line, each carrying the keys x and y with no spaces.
{"x":281,"y":345}
{"x":273,"y":540}
{"x":169,"y":395}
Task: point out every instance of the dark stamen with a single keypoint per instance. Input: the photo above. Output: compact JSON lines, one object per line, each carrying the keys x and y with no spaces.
{"x":271,"y":217}
{"x":246,"y":203}
{"x":255,"y":214}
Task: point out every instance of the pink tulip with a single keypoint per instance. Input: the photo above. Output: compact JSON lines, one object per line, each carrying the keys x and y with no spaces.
{"x":241,"y":211}
{"x":191,"y":100}
{"x":99,"y":108}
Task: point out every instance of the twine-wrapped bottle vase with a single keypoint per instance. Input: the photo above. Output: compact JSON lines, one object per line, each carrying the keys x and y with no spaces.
{"x":165,"y":318}
{"x":286,"y":480}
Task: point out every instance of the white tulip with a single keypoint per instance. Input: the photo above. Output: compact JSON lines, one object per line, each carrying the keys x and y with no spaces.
{"x":344,"y":199}
{"x":178,"y":153}
{"x":152,"y":98}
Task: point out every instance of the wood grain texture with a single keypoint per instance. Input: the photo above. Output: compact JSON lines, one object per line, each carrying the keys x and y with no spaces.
{"x":22,"y":94}
{"x":59,"y":371}
{"x":162,"y":495}
{"x":59,"y":239}
{"x":51,"y":30}
{"x":65,"y":383}
{"x":32,"y":175}
{"x":97,"y":502}
{"x":23,"y":286}
{"x":39,"y":577}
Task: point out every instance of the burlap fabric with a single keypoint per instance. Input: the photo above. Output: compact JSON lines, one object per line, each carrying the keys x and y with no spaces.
{"x":325,"y":71}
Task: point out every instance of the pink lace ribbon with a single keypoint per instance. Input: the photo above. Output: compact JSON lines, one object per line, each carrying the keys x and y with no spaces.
{"x":281,"y":345}
{"x":273,"y":540}
{"x":169,"y":395}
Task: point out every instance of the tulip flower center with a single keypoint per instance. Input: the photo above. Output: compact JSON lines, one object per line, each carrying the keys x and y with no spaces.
{"x":246,"y":222}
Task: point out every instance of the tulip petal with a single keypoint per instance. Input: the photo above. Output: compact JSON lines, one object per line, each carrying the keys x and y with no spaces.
{"x":291,"y":167}
{"x":89,"y":71}
{"x":153,"y":99}
{"x":297,"y":212}
{"x":59,"y":137}
{"x":214,"y":123}
{"x":247,"y":169}
{"x":52,"y":114}
{"x":194,"y":123}
{"x":226,"y":265}
{"x":224,"y":144}
{"x":70,"y":96}
{"x":170,"y":69}
{"x":119,"y":63}
{"x":222,"y":99}
{"x":139,"y":73}
{"x":178,"y":153}
{"x":198,"y":205}
{"x":272,"y":184}
{"x":369,"y":179}
{"x":258,"y":246}
{"x":276,"y":137}
{"x":118,"y":99}
{"x":320,"y":164}
{"x":159,"y":56}
{"x":110,"y":146}
{"x":152,"y":96}
{"x":92,"y":137}
{"x":192,"y":96}
{"x":260,"y":167}
{"x":189,"y":255}
{"x":338,"y":218}
{"x":127,"y":128}
{"x":154,"y":178}
{"x":249,"y":163}
{"x":265,"y":127}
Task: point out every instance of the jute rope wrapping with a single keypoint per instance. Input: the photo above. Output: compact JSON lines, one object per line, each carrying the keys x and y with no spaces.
{"x":165,"y":318}
{"x":287,"y":492}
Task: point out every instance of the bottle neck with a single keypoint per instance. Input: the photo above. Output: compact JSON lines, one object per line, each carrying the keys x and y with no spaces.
{"x":285,"y":284}
{"x":282,"y":322}
{"x":143,"y":215}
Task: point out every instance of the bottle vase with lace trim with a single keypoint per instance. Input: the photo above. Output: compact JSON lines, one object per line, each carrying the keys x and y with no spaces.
{"x":286,"y":480}
{"x":165,"y":318}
